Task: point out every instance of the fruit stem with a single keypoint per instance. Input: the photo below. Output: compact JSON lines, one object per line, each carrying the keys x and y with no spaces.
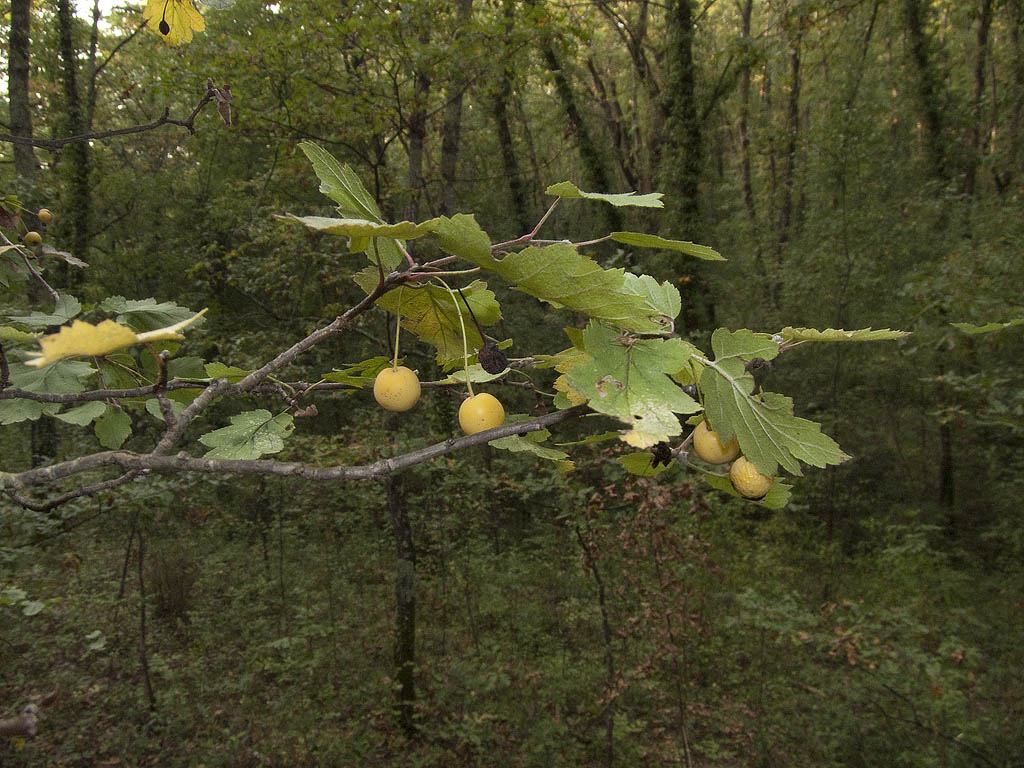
{"x":462,"y":325}
{"x":398,"y":325}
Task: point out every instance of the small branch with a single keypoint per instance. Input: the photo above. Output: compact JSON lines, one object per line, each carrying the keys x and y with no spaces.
{"x":78,"y":493}
{"x":527,"y":237}
{"x":55,"y":144}
{"x":157,"y":462}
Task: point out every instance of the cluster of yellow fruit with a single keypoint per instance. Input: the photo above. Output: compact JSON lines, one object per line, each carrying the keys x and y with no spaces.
{"x":745,"y":478}
{"x":33,"y":238}
{"x":397,"y":389}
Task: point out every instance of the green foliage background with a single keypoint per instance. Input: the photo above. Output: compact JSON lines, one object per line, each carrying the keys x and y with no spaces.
{"x":590,"y":618}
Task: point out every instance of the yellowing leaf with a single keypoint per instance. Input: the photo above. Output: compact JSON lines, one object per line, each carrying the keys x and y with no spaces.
{"x":174,"y":20}
{"x":82,"y":338}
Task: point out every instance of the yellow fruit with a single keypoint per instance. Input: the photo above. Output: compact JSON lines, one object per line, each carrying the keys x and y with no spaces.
{"x":32,"y":238}
{"x":44,"y":215}
{"x":709,"y":447}
{"x":480,"y":412}
{"x":750,"y":483}
{"x":396,"y":389}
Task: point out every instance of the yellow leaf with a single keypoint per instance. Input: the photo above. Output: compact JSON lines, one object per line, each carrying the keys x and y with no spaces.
{"x":561,"y":385}
{"x":82,"y":338}
{"x":174,"y":20}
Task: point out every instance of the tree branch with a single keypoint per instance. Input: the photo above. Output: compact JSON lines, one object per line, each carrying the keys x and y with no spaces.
{"x":139,"y":464}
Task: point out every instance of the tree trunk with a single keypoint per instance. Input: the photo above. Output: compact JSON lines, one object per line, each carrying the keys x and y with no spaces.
{"x":927,"y":86}
{"x":452,"y":132}
{"x":417,"y":135}
{"x":25,"y":164}
{"x":981,"y":57}
{"x":684,"y":154}
{"x":788,"y":185}
{"x":405,"y":604}
{"x":510,"y":163}
{"x":76,"y":154}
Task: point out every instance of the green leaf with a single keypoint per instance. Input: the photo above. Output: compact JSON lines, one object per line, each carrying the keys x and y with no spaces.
{"x":7,"y":333}
{"x":776,"y":498}
{"x":603,"y":437}
{"x":64,"y":377}
{"x":768,"y":432}
{"x":641,"y":464}
{"x":83,"y":414}
{"x":642,"y":240}
{"x":153,"y":409}
{"x":968,"y":328}
{"x":562,"y":276}
{"x":430,"y":313}
{"x":790,"y":334}
{"x":567,"y":189}
{"x":13,"y":411}
{"x":461,"y":236}
{"x":628,"y":379}
{"x":229,"y":372}
{"x":743,"y":344}
{"x":32,"y":607}
{"x":252,"y":434}
{"x":359,"y":374}
{"x":477,"y":375}
{"x":356,"y":228}
{"x":66,"y":308}
{"x":113,"y":428}
{"x":341,"y":184}
{"x":531,"y":443}
{"x":147,"y":314}
{"x":663,"y":298}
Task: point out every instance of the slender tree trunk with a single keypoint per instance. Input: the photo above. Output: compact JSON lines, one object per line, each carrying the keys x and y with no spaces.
{"x":417,"y":135}
{"x":405,"y":603}
{"x":683,"y":154}
{"x":746,"y":172}
{"x":25,"y":164}
{"x":786,"y":205}
{"x":980,"y":63}
{"x":77,"y":154}
{"x":452,"y":131}
{"x":509,"y":161}
{"x":927,"y":85}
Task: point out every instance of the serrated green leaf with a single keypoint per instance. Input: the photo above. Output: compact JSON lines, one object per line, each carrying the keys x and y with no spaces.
{"x":602,"y":437}
{"x":461,"y":236}
{"x":153,"y":409}
{"x":7,"y":333}
{"x":776,"y":498}
{"x":969,"y":328}
{"x":641,"y":240}
{"x":147,"y":314}
{"x":359,"y":374}
{"x":530,"y":443}
{"x":430,"y":313}
{"x":65,"y":377}
{"x":341,"y":184}
{"x":113,"y":428}
{"x":65,"y":309}
{"x":790,"y":334}
{"x":13,"y":411}
{"x":363,"y":228}
{"x":222,"y":371}
{"x":252,"y":434}
{"x":743,"y":344}
{"x":768,"y":432}
{"x":83,"y":414}
{"x":663,"y":298}
{"x":562,"y":276}
{"x":628,"y":379}
{"x":567,"y":189}
{"x":477,"y":375}
{"x":641,"y":464}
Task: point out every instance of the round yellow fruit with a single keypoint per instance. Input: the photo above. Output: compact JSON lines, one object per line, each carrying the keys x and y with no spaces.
{"x":750,"y":483}
{"x":32,"y":238}
{"x":45,"y":215}
{"x":480,"y":412}
{"x":396,"y":389}
{"x":709,"y":447}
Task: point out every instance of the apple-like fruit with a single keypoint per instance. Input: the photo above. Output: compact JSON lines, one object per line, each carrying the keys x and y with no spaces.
{"x":709,"y":447}
{"x":479,"y":412}
{"x":396,"y":389}
{"x":746,"y":479}
{"x":32,"y":238}
{"x":45,"y":215}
